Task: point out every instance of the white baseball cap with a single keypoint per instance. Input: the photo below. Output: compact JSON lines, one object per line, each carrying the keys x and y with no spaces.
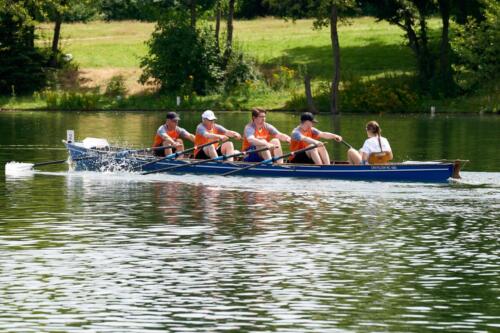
{"x":208,"y":114}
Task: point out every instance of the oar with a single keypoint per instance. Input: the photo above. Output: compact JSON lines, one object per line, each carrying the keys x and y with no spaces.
{"x":124,"y":152}
{"x":346,"y":144}
{"x":15,"y":166}
{"x":149,"y":149}
{"x":218,"y":158}
{"x":62,"y":161}
{"x":271,"y":160}
{"x":176,"y":154}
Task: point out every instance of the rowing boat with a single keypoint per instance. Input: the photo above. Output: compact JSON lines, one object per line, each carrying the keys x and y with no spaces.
{"x":104,"y":158}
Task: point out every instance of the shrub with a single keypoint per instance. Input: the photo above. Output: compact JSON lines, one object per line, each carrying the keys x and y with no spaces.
{"x":116,"y":87}
{"x":477,"y":48}
{"x":381,"y":95}
{"x":181,"y":56}
{"x":388,"y":94}
{"x":240,"y":72}
{"x":57,"y":100}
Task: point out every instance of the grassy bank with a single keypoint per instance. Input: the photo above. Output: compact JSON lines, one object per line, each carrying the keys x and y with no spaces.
{"x":369,"y":50}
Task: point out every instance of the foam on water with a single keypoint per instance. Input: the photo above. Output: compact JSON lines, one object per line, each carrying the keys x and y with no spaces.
{"x":16,"y":168}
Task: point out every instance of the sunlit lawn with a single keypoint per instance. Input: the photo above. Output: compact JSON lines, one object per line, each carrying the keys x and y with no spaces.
{"x":368,"y":47}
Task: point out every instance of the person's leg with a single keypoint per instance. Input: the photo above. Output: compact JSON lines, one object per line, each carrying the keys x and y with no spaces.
{"x":210,"y":151}
{"x":264,"y":155}
{"x":167,"y":151}
{"x":180,"y":147}
{"x":277,"y":151}
{"x":323,"y":153}
{"x":353,"y":156}
{"x":314,"y":155}
{"x":227,"y":148}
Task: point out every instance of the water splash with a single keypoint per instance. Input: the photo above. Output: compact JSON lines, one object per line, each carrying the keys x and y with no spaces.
{"x":18,"y":168}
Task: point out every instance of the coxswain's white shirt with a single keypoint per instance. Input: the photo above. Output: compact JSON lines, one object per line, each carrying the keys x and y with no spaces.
{"x":372,"y":145}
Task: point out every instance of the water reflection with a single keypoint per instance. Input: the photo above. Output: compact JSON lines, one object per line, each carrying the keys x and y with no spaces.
{"x":121,"y":253}
{"x":129,"y":253}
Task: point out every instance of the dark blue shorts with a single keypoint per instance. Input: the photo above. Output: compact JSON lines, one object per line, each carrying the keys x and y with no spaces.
{"x":253,"y":157}
{"x":202,"y":156}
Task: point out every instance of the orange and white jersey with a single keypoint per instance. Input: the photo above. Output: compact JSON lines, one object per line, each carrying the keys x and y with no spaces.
{"x":267,"y":132}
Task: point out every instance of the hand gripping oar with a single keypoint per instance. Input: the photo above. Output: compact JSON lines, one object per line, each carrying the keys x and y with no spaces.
{"x":176,"y":154}
{"x":271,"y":160}
{"x":218,"y":158}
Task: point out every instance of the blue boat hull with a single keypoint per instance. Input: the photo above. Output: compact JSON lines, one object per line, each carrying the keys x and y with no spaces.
{"x":122,"y":161}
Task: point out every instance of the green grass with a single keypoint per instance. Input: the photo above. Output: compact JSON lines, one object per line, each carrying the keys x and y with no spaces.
{"x":102,"y":45}
{"x":369,"y":49}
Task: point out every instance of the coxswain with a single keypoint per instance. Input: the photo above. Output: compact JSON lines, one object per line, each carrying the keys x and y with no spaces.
{"x":375,"y":150}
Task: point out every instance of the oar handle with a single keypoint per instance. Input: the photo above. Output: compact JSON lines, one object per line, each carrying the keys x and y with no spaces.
{"x":271,"y":160}
{"x":218,"y":158}
{"x":153,"y":148}
{"x":176,"y":154}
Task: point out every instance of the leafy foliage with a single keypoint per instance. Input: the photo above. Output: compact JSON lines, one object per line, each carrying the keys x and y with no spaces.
{"x":239,"y":72}
{"x":386,"y":94}
{"x":21,"y":63}
{"x":60,"y":100}
{"x":182,"y":56}
{"x":187,"y":60}
{"x":477,"y":48}
{"x":116,"y":87}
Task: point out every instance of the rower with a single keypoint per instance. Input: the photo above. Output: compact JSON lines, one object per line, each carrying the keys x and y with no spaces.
{"x":207,"y":131}
{"x":305,"y":134}
{"x":169,"y":134}
{"x":260,"y":134}
{"x":375,"y":150}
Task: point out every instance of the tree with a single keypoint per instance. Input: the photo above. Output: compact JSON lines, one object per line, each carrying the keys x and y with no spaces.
{"x":434,"y":68}
{"x":229,"y":32}
{"x":59,"y":11}
{"x":477,"y":49}
{"x":182,"y":59}
{"x":21,"y":63}
{"x":218,"y":14}
{"x":325,"y":13}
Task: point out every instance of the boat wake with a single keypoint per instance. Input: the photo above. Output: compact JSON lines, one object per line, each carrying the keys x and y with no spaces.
{"x":477,"y":180}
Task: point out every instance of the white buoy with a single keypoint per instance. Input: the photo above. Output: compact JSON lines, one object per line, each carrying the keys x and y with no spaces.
{"x":433,"y":110}
{"x":178,"y":100}
{"x":16,"y":168}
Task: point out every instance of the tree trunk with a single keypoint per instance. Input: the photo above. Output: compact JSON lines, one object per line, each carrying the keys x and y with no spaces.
{"x":229,"y":40}
{"x":310,"y":102}
{"x":336,"y":60}
{"x":55,"y":39}
{"x":192,"y":9}
{"x":217,"y":24}
{"x":445,"y":71}
{"x":425,"y":61}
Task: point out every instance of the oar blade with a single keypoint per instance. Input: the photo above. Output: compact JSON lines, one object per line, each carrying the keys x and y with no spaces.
{"x":15,"y":168}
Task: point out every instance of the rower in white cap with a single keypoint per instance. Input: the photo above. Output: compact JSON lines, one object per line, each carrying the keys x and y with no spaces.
{"x":207,"y":131}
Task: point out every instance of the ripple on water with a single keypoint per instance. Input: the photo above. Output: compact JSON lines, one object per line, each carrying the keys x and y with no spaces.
{"x":119,"y":252}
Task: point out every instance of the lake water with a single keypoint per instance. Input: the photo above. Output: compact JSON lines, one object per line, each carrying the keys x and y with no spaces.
{"x":120,"y":252}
